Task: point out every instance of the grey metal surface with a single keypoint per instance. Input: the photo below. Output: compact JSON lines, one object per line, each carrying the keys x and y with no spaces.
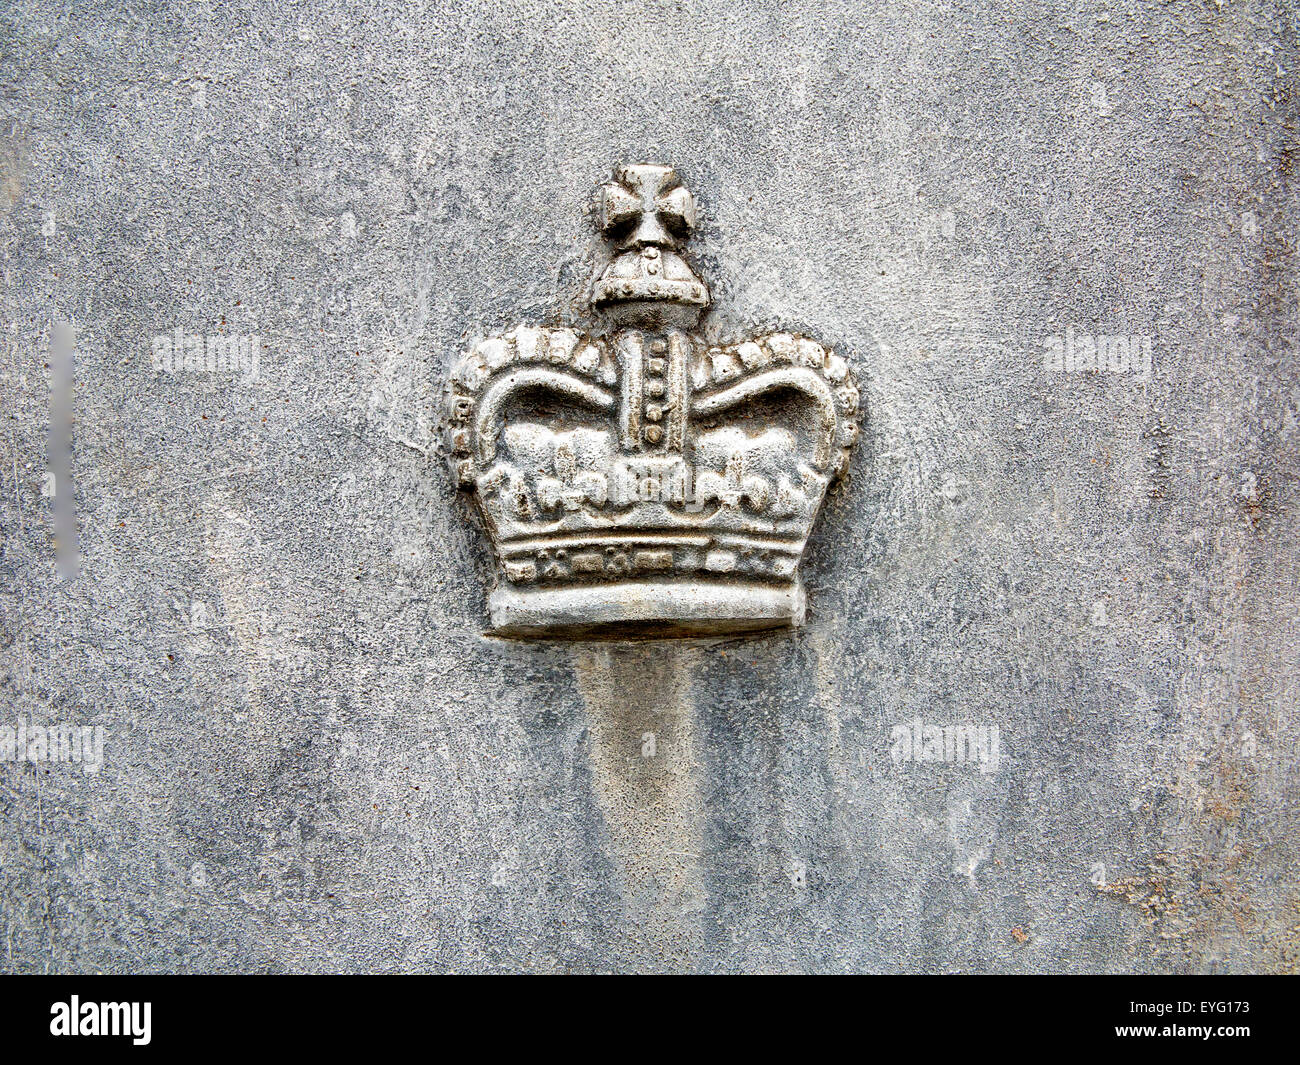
{"x":313,"y":759}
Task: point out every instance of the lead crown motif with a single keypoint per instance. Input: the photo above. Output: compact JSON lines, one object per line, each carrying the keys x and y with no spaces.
{"x":634,"y":480}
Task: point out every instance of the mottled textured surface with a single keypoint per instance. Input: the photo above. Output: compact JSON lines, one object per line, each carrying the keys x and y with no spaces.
{"x":314,"y":760}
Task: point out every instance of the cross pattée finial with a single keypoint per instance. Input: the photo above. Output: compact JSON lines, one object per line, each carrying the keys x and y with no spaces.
{"x":646,"y":206}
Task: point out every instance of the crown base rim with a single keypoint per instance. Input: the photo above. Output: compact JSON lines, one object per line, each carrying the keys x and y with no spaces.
{"x":646,"y":609}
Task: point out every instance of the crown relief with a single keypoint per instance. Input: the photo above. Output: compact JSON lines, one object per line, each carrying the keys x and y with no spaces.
{"x":634,"y":480}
